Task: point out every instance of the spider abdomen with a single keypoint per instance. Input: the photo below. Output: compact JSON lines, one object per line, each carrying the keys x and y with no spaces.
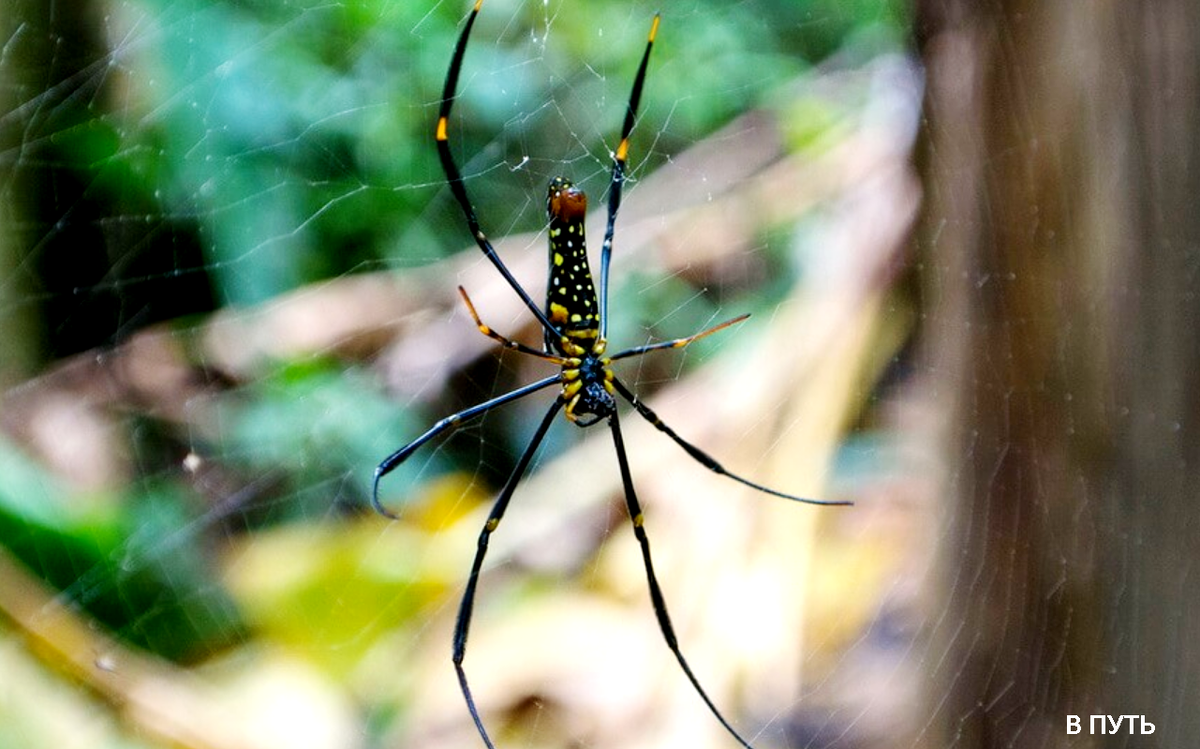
{"x":570,"y":295}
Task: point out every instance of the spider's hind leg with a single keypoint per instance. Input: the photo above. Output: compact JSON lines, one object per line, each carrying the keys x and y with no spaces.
{"x":462,"y":624}
{"x":656,"y":595}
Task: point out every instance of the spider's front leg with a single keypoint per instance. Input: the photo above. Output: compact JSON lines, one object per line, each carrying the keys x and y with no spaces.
{"x":454,"y":177}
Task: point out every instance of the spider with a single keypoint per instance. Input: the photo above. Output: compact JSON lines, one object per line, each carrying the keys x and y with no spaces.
{"x":574,"y":324}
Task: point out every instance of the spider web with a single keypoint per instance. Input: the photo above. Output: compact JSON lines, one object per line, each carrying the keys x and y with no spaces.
{"x":228,"y":290}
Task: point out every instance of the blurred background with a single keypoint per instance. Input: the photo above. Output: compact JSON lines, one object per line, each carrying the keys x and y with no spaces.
{"x":228,"y":271}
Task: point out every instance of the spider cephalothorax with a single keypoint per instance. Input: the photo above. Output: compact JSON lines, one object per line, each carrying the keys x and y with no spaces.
{"x":587,"y":387}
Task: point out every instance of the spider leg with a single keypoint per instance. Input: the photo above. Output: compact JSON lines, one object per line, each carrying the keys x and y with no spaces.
{"x":618,"y":175}
{"x":463,"y":623}
{"x":656,"y":595}
{"x":506,"y":343}
{"x":678,"y":342}
{"x":390,"y":463}
{"x":455,"y":180}
{"x":704,"y":458}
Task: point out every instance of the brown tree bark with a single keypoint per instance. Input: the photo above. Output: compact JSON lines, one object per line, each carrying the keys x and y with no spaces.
{"x":1061,"y":273}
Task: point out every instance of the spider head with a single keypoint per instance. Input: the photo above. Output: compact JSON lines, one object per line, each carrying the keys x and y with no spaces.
{"x":565,"y":201}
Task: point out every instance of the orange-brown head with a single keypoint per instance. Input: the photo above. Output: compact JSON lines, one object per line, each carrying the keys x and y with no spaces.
{"x":566,"y":202}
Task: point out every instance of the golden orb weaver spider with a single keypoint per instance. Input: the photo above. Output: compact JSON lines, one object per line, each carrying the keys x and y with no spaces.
{"x":574,"y":324}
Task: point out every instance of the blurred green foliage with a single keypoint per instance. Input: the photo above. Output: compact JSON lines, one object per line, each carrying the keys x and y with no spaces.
{"x":296,"y":137}
{"x":129,"y":560}
{"x":312,"y":423}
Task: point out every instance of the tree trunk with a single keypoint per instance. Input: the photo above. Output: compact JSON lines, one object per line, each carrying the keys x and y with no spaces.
{"x":1061,"y":272}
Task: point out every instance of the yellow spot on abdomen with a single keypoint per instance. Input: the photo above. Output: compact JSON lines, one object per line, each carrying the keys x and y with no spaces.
{"x":441,"y":128}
